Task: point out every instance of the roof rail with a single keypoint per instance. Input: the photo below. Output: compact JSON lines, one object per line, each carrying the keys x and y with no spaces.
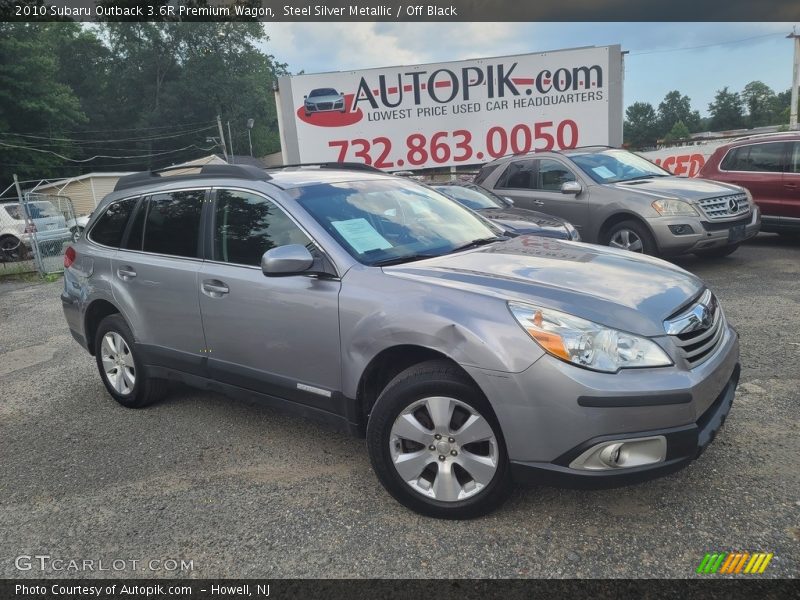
{"x":347,"y":166}
{"x":751,"y":136}
{"x":534,"y":152}
{"x":230,"y":171}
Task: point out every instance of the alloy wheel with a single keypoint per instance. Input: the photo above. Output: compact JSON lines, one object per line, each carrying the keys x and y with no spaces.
{"x":444,"y":449}
{"x":626,"y":239}
{"x":118,"y":365}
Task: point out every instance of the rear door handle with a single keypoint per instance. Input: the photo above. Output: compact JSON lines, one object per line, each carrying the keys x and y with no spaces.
{"x":214,"y":288}
{"x":126,"y":273}
{"x":537,"y":202}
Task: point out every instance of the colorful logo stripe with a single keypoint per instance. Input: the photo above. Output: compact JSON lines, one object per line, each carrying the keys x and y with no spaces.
{"x":734,"y":562}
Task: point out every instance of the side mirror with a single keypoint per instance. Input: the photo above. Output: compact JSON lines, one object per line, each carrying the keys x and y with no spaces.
{"x":304,"y":97}
{"x":292,"y":259}
{"x":571,"y":187}
{"x":509,"y":200}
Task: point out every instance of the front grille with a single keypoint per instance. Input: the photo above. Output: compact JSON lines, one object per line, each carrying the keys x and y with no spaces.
{"x":324,"y":105}
{"x":698,"y":330}
{"x":725,"y":207}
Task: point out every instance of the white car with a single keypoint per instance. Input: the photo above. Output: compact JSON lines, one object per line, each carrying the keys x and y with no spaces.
{"x":16,"y":232}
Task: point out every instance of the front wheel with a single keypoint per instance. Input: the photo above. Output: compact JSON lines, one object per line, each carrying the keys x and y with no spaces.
{"x":436,"y":445}
{"x":632,"y":236}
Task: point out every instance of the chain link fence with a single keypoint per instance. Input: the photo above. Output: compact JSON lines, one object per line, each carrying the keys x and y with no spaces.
{"x":35,"y":232}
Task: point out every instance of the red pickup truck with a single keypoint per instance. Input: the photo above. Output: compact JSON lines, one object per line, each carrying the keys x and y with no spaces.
{"x":768,"y":166}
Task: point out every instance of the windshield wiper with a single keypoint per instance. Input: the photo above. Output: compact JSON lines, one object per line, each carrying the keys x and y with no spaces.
{"x":644,"y":177}
{"x":397,"y":260}
{"x":479,"y":242}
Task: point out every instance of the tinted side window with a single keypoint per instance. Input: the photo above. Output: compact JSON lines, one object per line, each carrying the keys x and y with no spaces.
{"x":551,"y":175}
{"x":247,"y":225}
{"x":172,"y":225}
{"x":794,"y":161}
{"x":758,"y":157}
{"x":519,"y":175}
{"x":13,"y":211}
{"x":111,"y":225}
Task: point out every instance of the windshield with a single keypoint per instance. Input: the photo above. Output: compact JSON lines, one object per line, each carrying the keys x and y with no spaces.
{"x":471,"y":197}
{"x":382,"y":221}
{"x":323,"y":92}
{"x":611,"y":166}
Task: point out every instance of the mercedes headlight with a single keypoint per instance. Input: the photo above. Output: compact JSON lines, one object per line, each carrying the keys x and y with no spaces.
{"x":667,"y":207}
{"x":587,"y":344}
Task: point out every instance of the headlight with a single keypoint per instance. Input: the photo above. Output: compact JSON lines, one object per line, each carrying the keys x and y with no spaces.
{"x":674,"y":208}
{"x":587,"y":344}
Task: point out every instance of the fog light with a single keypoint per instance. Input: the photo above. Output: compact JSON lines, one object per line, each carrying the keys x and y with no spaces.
{"x":622,"y":454}
{"x":681,"y":229}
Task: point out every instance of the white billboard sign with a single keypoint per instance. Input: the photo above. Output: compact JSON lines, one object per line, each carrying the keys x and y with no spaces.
{"x":454,"y":113}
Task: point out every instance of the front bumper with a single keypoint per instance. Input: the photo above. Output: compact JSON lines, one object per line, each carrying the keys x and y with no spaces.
{"x":684,"y":444}
{"x":705,"y":234}
{"x":552,"y":412}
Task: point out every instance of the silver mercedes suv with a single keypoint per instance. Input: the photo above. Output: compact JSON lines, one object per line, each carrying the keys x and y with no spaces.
{"x":469,"y":360}
{"x":619,"y":199}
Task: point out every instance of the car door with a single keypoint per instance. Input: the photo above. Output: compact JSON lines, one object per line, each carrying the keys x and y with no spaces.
{"x":759,"y":168}
{"x":790,"y":215}
{"x":155,"y":275}
{"x":274,"y":335}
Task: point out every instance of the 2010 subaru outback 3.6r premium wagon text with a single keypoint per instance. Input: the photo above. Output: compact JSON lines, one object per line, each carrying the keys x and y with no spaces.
{"x":467,"y":359}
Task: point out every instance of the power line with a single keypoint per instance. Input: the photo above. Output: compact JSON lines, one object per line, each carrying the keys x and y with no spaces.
{"x":88,"y":142}
{"x":684,"y":48}
{"x":85,"y":160}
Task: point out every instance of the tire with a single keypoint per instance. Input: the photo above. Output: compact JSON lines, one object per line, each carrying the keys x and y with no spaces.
{"x":400,"y":407}
{"x":11,"y":248}
{"x":639,"y":238}
{"x":720,"y":252}
{"x":115,"y":340}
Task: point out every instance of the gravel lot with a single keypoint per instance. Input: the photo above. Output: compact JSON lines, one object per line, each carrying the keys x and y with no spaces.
{"x":246,"y":492}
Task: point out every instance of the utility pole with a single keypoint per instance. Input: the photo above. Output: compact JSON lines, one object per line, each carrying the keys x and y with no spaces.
{"x":795,"y":79}
{"x":222,"y":139}
{"x":250,"y":123}
{"x":230,"y":139}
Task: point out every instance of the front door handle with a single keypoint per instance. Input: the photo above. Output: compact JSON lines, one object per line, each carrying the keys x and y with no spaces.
{"x":214,"y":288}
{"x":126,"y":273}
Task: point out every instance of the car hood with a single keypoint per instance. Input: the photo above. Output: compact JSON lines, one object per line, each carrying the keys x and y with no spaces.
{"x":616,"y":288}
{"x":521,"y":220}
{"x":685,"y":188}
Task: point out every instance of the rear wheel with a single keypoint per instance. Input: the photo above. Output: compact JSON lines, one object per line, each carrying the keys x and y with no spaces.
{"x":717,"y":252}
{"x":120,"y":368}
{"x":11,"y":248}
{"x":436,"y":446}
{"x":632,"y":236}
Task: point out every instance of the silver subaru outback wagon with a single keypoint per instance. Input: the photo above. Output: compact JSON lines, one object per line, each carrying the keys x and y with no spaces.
{"x":469,"y":360}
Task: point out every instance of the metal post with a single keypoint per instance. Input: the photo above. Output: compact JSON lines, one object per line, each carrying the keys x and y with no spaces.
{"x":29,"y":221}
{"x":230,"y":139}
{"x":222,"y":139}
{"x":795,"y":79}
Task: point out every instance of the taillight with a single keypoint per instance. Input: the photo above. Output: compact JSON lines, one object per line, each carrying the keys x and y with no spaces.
{"x":69,"y":257}
{"x":30,"y":228}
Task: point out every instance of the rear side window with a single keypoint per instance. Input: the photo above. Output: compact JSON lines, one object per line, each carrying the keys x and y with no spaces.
{"x":484,"y":173}
{"x":519,"y":175}
{"x":172,"y":225}
{"x":758,"y":157}
{"x":794,"y":162}
{"x":111,"y":225}
{"x":247,"y":225}
{"x":134,"y":241}
{"x":13,"y":211}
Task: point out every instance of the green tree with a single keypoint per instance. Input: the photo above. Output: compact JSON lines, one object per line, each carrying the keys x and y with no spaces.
{"x":33,"y":100}
{"x":761,"y":104}
{"x":679,"y":131}
{"x":641,"y":126}
{"x":677,"y":107}
{"x":727,"y":111}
